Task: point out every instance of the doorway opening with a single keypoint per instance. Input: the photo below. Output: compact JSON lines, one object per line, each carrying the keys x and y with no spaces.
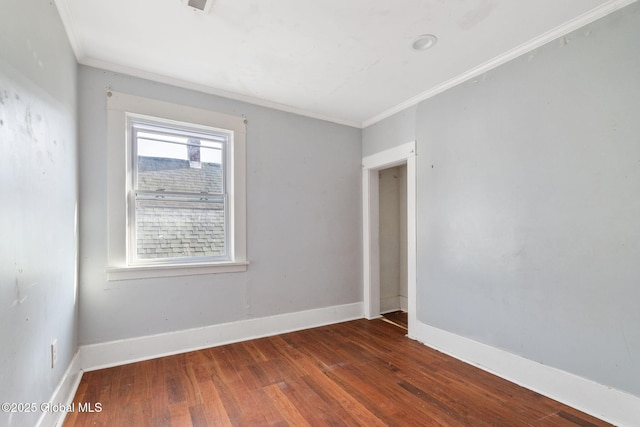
{"x":392,"y":236}
{"x":397,"y":319}
{"x":403,"y":155}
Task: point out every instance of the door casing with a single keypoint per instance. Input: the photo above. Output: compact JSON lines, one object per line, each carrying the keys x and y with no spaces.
{"x":371,"y":165}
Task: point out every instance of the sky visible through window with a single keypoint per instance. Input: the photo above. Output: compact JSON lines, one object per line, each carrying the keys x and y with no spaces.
{"x":175,"y":147}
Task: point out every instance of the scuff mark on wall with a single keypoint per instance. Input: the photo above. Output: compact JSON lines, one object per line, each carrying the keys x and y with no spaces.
{"x":21,"y":292}
{"x":626,"y":344}
{"x":28,"y":121}
{"x":19,"y":298}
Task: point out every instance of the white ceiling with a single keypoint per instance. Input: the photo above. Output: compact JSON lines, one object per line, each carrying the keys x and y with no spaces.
{"x":346,"y":61}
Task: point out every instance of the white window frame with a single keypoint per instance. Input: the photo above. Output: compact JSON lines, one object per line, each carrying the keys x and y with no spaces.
{"x":136,"y":121}
{"x":120,"y":153}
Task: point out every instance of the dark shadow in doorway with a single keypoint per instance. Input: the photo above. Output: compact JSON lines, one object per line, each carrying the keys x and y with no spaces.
{"x":398,"y":318}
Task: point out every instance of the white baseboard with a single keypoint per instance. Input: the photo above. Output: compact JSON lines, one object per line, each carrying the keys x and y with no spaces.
{"x":114,"y":353}
{"x":395,"y":303}
{"x":614,"y":406}
{"x":63,"y":394}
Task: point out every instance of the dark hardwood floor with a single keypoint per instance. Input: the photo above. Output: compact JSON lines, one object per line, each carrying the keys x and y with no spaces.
{"x":364,"y":373}
{"x":398,"y":318}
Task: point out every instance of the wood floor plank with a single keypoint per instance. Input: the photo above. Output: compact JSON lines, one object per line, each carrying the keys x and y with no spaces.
{"x":398,"y":317}
{"x":369,"y":390}
{"x":198,"y":416}
{"x":348,"y":408}
{"x":285,"y":406}
{"x":179,"y":415}
{"x":212,"y":404}
{"x":309,"y":403}
{"x":358,"y":373}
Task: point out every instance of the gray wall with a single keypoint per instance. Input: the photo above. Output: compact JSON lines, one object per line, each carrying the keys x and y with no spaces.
{"x":38,"y":201}
{"x":529,"y":203}
{"x":395,"y":130}
{"x":303,"y":222}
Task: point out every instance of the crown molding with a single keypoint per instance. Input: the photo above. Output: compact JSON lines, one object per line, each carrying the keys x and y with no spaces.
{"x":135,"y":72}
{"x":566,"y":28}
{"x":571,"y":25}
{"x":67,"y":21}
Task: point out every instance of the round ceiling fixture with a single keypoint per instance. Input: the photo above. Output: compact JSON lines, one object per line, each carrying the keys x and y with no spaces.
{"x":424,"y":42}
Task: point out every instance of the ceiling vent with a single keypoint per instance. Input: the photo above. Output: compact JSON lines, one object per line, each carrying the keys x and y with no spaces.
{"x":201,"y":5}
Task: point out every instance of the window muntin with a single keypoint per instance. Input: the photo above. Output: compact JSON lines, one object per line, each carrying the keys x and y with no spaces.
{"x":179,"y":203}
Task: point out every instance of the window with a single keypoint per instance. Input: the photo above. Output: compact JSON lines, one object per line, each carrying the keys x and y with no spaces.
{"x":178,"y":198}
{"x":176,"y":190}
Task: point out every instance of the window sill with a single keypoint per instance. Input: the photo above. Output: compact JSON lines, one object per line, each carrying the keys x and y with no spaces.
{"x":173,"y":270}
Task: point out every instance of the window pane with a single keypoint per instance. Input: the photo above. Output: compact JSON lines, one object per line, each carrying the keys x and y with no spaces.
{"x":190,"y":166}
{"x":178,"y":229}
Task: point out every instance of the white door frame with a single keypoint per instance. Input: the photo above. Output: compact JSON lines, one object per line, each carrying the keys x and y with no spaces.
{"x":371,"y":165}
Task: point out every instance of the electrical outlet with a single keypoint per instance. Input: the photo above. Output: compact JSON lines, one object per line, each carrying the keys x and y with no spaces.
{"x":54,"y":353}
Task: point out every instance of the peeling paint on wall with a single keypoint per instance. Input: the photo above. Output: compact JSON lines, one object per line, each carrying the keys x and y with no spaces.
{"x":37,"y":213}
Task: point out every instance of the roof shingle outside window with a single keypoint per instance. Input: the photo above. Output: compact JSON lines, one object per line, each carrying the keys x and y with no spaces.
{"x":179,"y":229}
